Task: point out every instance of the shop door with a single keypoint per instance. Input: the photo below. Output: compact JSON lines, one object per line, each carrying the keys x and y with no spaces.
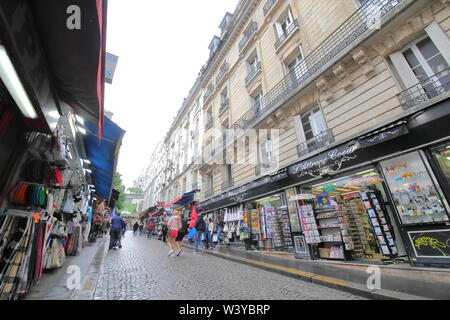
{"x":350,"y":219}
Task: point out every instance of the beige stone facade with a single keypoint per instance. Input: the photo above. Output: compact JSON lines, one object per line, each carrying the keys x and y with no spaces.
{"x":285,"y":57}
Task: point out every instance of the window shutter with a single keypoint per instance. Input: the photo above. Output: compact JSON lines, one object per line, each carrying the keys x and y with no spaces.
{"x":299,"y":129}
{"x":291,"y":18}
{"x":279,"y":29}
{"x":403,"y":69}
{"x":440,"y":40}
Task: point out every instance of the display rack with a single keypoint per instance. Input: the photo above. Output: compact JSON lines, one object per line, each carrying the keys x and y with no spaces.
{"x":377,"y":220}
{"x":330,"y":226}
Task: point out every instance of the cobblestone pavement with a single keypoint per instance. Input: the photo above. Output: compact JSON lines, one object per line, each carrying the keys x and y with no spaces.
{"x":141,"y":270}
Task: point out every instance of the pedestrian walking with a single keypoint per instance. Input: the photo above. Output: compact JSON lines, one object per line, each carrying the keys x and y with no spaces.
{"x":220,"y":227}
{"x":135,"y":228}
{"x":200,"y":233}
{"x":141,"y":228}
{"x":116,"y":231}
{"x":150,"y":230}
{"x":210,"y":233}
{"x":181,"y":234}
{"x":164,"y":231}
{"x":173,"y":226}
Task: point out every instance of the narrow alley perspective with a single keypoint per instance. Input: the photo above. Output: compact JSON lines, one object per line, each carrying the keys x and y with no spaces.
{"x":246,"y":155}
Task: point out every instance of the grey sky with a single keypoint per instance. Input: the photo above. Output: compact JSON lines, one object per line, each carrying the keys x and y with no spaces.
{"x":161,"y":47}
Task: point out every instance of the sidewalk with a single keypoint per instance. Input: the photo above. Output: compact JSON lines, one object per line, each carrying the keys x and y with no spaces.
{"x":400,"y":281}
{"x":53,"y":284}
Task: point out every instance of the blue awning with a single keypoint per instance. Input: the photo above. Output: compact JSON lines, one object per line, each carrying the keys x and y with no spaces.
{"x":103,"y":155}
{"x":187,"y":198}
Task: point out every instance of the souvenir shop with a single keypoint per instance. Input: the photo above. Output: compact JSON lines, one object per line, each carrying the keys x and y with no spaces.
{"x":382,"y":197}
{"x":45,"y":212}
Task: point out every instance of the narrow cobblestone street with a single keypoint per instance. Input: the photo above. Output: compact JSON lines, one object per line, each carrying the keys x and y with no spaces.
{"x":141,"y":270}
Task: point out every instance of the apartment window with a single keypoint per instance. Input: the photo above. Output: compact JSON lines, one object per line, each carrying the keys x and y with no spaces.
{"x":253,"y":66}
{"x":284,"y":22}
{"x":265,"y":153}
{"x":227,"y":176}
{"x":224,"y":101}
{"x":312,"y":131}
{"x":256,"y":100}
{"x":209,"y":118}
{"x":296,"y":67}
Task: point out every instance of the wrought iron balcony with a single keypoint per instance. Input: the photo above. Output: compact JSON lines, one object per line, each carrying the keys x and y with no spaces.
{"x":224,"y":105}
{"x":249,"y":116}
{"x":322,"y":140}
{"x":208,"y":193}
{"x":426,"y":90}
{"x":253,"y":71}
{"x":222,"y":73}
{"x":269,"y":4}
{"x":290,"y":30}
{"x":263,"y":167}
{"x":209,"y":123}
{"x":227,"y":184}
{"x":344,"y":36}
{"x":208,"y":93}
{"x":248,"y":35}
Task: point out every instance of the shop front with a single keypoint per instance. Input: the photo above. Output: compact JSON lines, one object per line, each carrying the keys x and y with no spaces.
{"x":379,"y":197}
{"x":382,"y":196}
{"x":347,"y":218}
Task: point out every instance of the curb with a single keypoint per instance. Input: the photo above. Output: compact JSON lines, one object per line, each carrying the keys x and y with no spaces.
{"x":353,"y":288}
{"x":92,"y":275}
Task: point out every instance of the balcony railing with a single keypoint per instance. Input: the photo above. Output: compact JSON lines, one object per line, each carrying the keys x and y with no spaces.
{"x":426,"y":90}
{"x":224,"y":105}
{"x":248,"y":35}
{"x":209,"y":123}
{"x":346,"y":34}
{"x":290,"y":30}
{"x":263,"y":167}
{"x":208,"y":93}
{"x":322,"y":140}
{"x":269,"y":4}
{"x":253,"y":71}
{"x":208,"y":193}
{"x":227,"y":184}
{"x":222,"y":73}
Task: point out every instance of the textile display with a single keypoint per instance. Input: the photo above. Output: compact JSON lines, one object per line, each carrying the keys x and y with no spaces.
{"x":22,"y":247}
{"x":75,"y":241}
{"x":56,"y":255}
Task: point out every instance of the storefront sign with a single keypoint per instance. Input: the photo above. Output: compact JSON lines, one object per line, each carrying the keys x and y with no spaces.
{"x":384,"y":135}
{"x":110,"y":67}
{"x":329,"y":162}
{"x":431,"y":243}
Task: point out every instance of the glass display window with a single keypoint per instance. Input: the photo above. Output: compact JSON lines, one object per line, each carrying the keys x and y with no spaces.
{"x":442,"y":156}
{"x":417,"y":197}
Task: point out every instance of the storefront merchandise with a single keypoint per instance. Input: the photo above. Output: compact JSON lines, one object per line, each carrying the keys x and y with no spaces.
{"x":417,"y":197}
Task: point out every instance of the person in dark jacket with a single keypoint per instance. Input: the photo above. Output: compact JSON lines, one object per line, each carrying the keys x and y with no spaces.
{"x":181,"y":234}
{"x":200,"y":227}
{"x":164,"y":231}
{"x":135,"y":228}
{"x":220,"y":227}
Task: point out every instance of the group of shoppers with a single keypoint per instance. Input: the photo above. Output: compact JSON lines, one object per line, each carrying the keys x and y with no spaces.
{"x":204,"y":233}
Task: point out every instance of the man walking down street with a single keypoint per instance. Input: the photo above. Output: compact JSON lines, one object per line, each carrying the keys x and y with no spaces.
{"x":220,"y":227}
{"x":135,"y":228}
{"x":116,"y":231}
{"x":150,"y":230}
{"x":200,"y":226}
